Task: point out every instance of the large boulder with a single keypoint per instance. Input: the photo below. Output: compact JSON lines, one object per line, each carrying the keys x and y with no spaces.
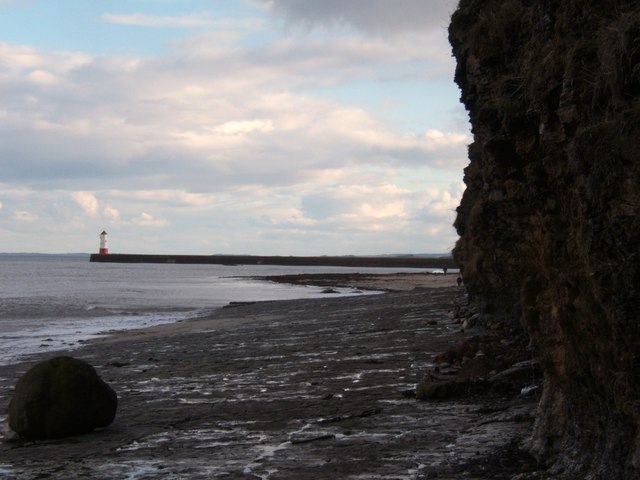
{"x":60,"y":397}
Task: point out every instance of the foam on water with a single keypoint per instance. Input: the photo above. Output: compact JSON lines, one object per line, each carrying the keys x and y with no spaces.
{"x":68,"y":333}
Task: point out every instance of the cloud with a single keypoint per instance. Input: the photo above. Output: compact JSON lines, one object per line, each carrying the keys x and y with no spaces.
{"x":142,"y":20}
{"x":112,"y":214}
{"x":147,"y":220}
{"x":244,"y":126}
{"x":165,"y":197}
{"x":377,"y":17}
{"x":41,"y":77}
{"x":356,"y":212}
{"x":190,"y":122}
{"x":87,"y":201}
{"x":238,"y":139}
{"x":23,"y":216}
{"x":23,"y":60}
{"x":195,"y":20}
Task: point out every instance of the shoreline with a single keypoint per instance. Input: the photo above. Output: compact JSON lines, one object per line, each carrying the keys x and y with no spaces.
{"x":369,"y":284}
{"x":56,"y":331}
{"x":389,"y":282}
{"x":313,"y":388}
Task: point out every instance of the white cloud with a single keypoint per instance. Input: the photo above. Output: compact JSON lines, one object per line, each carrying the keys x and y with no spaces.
{"x":147,"y":220}
{"x":245,"y":126}
{"x":25,"y":59}
{"x":165,"y":197}
{"x":181,"y":117}
{"x":440,"y":203}
{"x":194,"y":20}
{"x":87,"y":201}
{"x":376,"y":210}
{"x":351,"y":211}
{"x":142,"y":20}
{"x":112,"y":214}
{"x":41,"y":77}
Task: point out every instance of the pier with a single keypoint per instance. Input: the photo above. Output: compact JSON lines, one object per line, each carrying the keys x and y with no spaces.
{"x":317,"y":261}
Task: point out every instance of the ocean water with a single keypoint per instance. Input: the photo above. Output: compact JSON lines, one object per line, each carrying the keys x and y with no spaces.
{"x":54,"y":302}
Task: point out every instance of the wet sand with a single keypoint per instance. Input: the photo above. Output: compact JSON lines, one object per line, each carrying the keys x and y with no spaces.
{"x":314,"y":389}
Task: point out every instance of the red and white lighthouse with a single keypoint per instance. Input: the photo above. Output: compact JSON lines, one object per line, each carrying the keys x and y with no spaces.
{"x":103,"y":243}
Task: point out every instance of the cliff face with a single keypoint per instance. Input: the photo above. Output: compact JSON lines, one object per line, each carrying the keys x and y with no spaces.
{"x":550,"y":220}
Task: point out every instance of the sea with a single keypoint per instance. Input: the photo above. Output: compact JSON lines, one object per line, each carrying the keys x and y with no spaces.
{"x":57,"y":302}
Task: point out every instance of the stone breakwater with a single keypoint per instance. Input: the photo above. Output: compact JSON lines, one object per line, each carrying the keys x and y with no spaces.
{"x":294,"y":389}
{"x":389,"y":261}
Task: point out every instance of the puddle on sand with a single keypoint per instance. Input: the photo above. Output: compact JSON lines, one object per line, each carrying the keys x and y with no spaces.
{"x":264,"y":452}
{"x":132,"y":470}
{"x":6,"y":470}
{"x":150,"y":441}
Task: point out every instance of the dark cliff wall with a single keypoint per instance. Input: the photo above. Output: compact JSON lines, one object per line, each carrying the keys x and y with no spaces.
{"x":549,"y":223}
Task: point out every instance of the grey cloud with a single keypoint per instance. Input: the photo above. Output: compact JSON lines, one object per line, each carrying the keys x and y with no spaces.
{"x":380,"y":17}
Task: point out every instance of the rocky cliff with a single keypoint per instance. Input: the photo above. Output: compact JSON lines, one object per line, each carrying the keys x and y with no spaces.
{"x":549,"y":224}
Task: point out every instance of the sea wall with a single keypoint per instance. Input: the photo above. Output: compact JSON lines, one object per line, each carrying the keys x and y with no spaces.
{"x":549,"y":224}
{"x":388,"y":261}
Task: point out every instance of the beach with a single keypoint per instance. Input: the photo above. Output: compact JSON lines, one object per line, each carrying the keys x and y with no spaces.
{"x":312,"y":388}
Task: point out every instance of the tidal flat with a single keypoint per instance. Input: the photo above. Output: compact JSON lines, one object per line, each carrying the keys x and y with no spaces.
{"x":315,"y":388}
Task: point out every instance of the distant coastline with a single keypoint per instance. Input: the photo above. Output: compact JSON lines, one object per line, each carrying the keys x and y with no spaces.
{"x":389,"y":261}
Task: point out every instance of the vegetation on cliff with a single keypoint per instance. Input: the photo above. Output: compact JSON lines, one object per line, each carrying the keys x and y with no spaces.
{"x":549,"y":223}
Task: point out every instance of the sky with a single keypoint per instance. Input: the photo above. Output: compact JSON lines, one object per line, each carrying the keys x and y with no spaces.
{"x":265,"y":127}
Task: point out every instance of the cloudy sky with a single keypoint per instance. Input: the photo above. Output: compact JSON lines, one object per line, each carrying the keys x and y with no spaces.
{"x":285,"y":127}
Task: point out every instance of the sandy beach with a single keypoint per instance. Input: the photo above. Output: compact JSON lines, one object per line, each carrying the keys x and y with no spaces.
{"x":314,"y":389}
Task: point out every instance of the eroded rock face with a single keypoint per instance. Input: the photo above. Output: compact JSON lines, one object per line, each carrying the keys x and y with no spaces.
{"x":550,"y":222}
{"x":60,"y":397}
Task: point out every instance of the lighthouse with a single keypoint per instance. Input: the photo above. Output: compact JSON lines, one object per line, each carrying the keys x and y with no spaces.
{"x":103,"y":243}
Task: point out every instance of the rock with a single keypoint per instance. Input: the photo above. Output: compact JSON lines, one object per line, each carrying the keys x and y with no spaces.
{"x":527,"y":371}
{"x":467,"y":348}
{"x":60,"y":397}
{"x":330,"y":290}
{"x":449,"y":389}
{"x":556,"y":250}
{"x":478,"y":367}
{"x":436,"y":390}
